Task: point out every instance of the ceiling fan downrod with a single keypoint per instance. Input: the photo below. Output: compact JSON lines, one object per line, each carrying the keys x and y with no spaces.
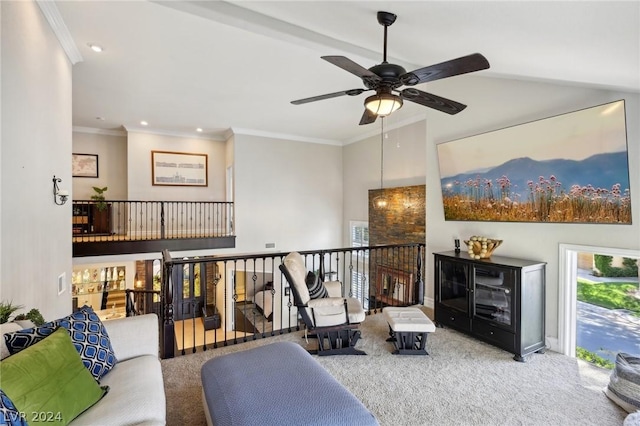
{"x":386,"y":19}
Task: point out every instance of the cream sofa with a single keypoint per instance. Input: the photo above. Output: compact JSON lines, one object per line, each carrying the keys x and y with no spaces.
{"x":136,"y":389}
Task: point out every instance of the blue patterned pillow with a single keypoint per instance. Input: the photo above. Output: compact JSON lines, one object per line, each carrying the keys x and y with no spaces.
{"x":19,"y":340}
{"x":87,"y":332}
{"x":9,"y":415}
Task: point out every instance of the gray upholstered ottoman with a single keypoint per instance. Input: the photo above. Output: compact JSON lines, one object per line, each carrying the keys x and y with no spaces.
{"x":277,"y":384}
{"x":408,"y":328}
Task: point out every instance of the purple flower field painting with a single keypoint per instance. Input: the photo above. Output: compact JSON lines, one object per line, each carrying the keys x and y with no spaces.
{"x":570,"y":168}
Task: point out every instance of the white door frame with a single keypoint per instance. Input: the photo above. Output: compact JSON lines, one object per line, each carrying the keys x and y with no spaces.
{"x":567,"y":289}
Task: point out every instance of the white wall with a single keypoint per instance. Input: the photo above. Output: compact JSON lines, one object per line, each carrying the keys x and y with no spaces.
{"x":112,"y":165}
{"x":494,"y":104}
{"x":288,"y":193}
{"x":36,"y":144}
{"x":140,"y":188}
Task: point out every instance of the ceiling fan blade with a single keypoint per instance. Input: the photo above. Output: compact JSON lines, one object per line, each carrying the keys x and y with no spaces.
{"x":432,"y":101}
{"x":348,"y":65}
{"x":368,"y":117}
{"x":352,"y":92}
{"x":463,"y":65}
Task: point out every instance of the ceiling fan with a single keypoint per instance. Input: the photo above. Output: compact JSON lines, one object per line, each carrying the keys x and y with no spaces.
{"x":387,"y":79}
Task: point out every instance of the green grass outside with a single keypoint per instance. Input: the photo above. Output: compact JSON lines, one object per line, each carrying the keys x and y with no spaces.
{"x":585,"y":355}
{"x":613,"y":295}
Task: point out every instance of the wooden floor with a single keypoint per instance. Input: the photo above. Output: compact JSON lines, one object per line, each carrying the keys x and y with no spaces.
{"x":190,"y":332}
{"x":142,"y":236}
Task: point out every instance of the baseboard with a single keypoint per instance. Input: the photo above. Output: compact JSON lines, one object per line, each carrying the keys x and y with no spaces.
{"x":429,"y":302}
{"x":552,"y":344}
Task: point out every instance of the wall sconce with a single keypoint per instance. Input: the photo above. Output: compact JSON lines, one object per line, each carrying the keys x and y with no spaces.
{"x":61,"y":194}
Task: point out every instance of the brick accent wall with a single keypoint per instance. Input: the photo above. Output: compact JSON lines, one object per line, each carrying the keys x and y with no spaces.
{"x":402,"y":220}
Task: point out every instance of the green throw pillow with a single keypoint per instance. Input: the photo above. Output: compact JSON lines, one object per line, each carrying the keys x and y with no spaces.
{"x":48,"y":382}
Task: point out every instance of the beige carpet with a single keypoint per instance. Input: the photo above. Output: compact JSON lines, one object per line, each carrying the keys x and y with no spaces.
{"x":462,"y":382}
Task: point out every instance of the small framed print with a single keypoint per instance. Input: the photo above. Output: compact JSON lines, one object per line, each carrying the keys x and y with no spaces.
{"x":178,"y":168}
{"x":84,"y":165}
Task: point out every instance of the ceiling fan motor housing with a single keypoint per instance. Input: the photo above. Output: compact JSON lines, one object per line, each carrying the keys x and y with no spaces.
{"x":389,"y":73}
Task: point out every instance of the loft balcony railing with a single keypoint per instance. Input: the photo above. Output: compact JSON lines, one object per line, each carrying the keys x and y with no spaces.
{"x":125,"y":226}
{"x":215,"y":301}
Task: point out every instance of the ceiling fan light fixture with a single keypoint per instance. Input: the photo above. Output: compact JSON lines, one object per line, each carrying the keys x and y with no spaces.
{"x":383,"y":104}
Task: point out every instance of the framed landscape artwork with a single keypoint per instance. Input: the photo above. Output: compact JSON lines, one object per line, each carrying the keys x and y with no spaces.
{"x":84,"y":165}
{"x":570,"y":168}
{"x":178,"y":168}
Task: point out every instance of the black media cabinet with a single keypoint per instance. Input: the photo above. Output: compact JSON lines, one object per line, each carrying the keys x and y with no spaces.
{"x":500,"y":300}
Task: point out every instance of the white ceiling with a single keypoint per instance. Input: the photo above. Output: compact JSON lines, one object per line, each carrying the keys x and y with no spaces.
{"x":237,"y":65}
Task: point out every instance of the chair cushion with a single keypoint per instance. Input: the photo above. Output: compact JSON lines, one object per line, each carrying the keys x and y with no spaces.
{"x":327,"y":312}
{"x":334,"y":288}
{"x":295,"y":265}
{"x":356,"y":313}
{"x":316,"y":288}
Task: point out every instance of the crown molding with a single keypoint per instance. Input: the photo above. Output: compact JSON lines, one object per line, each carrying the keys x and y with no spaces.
{"x":264,"y":134}
{"x":96,"y":131}
{"x":388,"y":127}
{"x":217,"y":138}
{"x":52,"y":14}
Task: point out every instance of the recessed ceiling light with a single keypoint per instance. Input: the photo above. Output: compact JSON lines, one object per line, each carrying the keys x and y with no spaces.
{"x":144,"y":123}
{"x":100,"y":118}
{"x":95,"y":47}
{"x":199,"y":130}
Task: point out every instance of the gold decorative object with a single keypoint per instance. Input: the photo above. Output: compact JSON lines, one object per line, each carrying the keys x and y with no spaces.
{"x":481,"y":247}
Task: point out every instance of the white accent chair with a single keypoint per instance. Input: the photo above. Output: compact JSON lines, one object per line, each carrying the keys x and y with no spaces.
{"x":333,"y":320}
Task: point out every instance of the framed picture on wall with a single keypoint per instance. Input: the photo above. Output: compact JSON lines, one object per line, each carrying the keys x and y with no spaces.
{"x":84,"y":165}
{"x":179,"y":168}
{"x":569,"y":168}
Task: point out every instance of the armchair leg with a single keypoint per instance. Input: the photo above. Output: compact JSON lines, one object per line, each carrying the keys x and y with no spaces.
{"x":338,"y":342}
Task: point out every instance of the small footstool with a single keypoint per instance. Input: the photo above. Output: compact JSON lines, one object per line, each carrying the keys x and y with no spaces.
{"x":408,"y":328}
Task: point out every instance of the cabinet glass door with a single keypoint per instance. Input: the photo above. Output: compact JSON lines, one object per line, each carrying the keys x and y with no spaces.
{"x":453,"y":285}
{"x":494,"y":295}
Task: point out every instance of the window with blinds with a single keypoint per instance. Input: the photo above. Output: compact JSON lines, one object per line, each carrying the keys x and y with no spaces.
{"x":359,"y":232}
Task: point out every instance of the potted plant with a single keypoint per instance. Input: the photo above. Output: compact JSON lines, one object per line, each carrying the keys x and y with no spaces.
{"x":33,"y":315}
{"x":98,"y":197}
{"x":8,"y":308}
